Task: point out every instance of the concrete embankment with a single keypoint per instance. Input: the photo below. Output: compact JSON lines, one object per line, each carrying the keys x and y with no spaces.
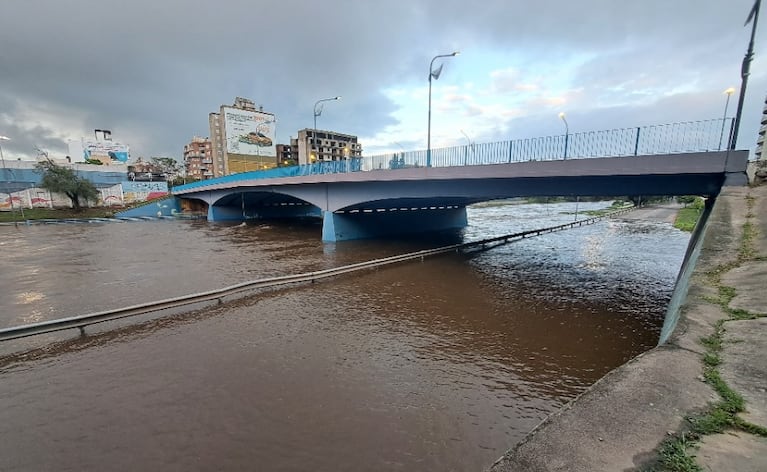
{"x":700,"y":397}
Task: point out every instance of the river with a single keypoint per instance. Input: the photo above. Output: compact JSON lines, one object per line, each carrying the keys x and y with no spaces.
{"x":437,"y":365}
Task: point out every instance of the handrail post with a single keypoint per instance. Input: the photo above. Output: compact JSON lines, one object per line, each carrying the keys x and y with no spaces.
{"x":636,"y":143}
{"x":511,"y":148}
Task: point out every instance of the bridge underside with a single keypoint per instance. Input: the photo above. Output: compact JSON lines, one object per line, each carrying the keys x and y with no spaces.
{"x":399,"y":216}
{"x":260,"y":206}
{"x":374,"y":219}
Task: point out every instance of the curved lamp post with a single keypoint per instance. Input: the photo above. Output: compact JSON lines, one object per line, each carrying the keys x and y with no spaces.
{"x":318,"y":112}
{"x":567,"y":131}
{"x":729,"y":93}
{"x":435,"y":74}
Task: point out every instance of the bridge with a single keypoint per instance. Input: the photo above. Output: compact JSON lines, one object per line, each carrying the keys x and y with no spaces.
{"x":395,"y":194}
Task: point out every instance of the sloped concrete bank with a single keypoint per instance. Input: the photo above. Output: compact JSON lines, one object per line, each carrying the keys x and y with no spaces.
{"x":653,"y":412}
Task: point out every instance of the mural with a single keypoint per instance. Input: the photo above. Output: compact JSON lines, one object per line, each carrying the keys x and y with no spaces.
{"x":115,"y":195}
{"x":142,"y":191}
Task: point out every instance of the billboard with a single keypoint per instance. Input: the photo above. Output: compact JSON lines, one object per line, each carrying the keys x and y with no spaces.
{"x":113,"y":150}
{"x":249,"y":133}
{"x":85,"y":149}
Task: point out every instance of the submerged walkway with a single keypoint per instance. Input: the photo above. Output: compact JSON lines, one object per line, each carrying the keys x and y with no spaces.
{"x":698,"y":402}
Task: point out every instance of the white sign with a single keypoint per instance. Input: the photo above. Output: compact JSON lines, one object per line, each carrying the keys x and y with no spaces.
{"x":249,"y":133}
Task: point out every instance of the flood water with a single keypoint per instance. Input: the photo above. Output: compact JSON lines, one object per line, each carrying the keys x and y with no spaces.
{"x":437,"y":365}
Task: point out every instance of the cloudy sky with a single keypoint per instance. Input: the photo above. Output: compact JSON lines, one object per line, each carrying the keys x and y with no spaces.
{"x":152,"y":70}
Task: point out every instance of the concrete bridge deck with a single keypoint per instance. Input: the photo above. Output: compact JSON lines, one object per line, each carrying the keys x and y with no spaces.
{"x":621,"y":422}
{"x":362,"y":204}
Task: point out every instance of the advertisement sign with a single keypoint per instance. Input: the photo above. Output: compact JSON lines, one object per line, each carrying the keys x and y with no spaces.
{"x":111,"y":149}
{"x":249,"y":133}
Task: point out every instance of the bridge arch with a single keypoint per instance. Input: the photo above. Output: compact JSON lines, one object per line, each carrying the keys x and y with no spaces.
{"x":258,"y":204}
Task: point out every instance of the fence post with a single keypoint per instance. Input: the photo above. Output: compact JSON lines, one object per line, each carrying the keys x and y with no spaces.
{"x":636,"y":143}
{"x":465,"y":155}
{"x":511,"y":143}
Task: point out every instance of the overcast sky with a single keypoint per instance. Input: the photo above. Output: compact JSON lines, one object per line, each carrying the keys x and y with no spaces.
{"x":152,"y":70}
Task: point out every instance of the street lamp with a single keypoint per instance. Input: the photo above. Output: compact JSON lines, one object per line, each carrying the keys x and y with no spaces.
{"x":745,"y":71}
{"x":346,"y":157}
{"x":435,"y":74}
{"x":268,"y":122}
{"x":10,"y":196}
{"x":728,"y":92}
{"x":470,"y":145}
{"x":567,"y":131}
{"x":318,"y":112}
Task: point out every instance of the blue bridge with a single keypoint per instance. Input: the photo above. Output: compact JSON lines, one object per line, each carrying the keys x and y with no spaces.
{"x":396,"y":194}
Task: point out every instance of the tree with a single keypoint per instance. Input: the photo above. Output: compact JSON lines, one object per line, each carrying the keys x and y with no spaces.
{"x":58,"y":179}
{"x":167,"y":165}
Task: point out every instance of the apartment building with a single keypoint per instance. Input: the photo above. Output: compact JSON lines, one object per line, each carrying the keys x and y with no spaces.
{"x":287,"y":155}
{"x":242,"y":138}
{"x":198,"y":158}
{"x":323,"y":145}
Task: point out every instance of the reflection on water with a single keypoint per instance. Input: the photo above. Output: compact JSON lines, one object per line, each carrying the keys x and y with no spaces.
{"x":434,"y":365}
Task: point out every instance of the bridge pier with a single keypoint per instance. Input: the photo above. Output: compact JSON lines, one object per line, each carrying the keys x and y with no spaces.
{"x":362,"y":225}
{"x":225,"y":213}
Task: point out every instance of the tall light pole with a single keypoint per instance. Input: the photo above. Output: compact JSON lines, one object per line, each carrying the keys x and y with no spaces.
{"x":318,"y":112}
{"x":435,"y":74}
{"x":267,"y":122}
{"x":469,"y":145}
{"x":745,"y":70}
{"x":567,"y":131}
{"x":10,"y":196}
{"x":728,"y":92}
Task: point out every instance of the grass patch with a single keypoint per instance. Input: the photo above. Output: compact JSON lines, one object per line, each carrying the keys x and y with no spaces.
{"x":687,"y":218}
{"x":674,"y":457}
{"x":57,"y":213}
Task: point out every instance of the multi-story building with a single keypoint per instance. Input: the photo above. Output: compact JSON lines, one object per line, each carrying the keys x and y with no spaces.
{"x":217,"y":145}
{"x":325,"y":146}
{"x":198,"y":158}
{"x":762,"y":132}
{"x":287,"y":155}
{"x":242,"y":138}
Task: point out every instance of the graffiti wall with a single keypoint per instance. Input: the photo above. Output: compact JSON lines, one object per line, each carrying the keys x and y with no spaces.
{"x":116,"y":195}
{"x":143,"y":191}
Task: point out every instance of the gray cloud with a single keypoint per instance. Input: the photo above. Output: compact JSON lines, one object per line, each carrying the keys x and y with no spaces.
{"x":152,"y":71}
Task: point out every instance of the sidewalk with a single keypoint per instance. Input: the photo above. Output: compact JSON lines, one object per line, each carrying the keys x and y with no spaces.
{"x":641,"y":411}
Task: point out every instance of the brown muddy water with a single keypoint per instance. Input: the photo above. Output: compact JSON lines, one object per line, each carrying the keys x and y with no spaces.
{"x":438,"y":365}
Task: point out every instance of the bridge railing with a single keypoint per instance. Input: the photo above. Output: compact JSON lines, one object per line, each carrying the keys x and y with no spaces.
{"x":688,"y":136}
{"x":681,"y":137}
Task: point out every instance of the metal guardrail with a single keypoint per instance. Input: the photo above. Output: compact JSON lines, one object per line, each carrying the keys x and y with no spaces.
{"x":82,"y":321}
{"x":670,"y":138}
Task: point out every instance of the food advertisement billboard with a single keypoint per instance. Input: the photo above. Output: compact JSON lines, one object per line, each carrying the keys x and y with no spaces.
{"x":249,"y":133}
